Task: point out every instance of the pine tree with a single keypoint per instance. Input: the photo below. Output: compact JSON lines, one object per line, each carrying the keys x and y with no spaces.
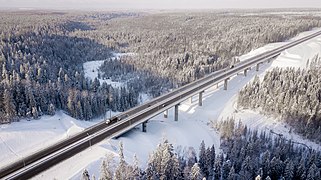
{"x":276,"y":168}
{"x":301,"y":169}
{"x":85,"y":175}
{"x":265,"y":163}
{"x":212,"y":157}
{"x":289,"y":170}
{"x":176,"y":172}
{"x":217,"y":168}
{"x":231,"y":174}
{"x":106,"y":172}
{"x":313,"y":173}
{"x":202,"y":159}
{"x":191,"y":157}
{"x":209,"y":160}
{"x":121,"y":170}
{"x":247,"y":167}
{"x":71,"y":103}
{"x":9,"y":105}
{"x":163,"y":162}
{"x":51,"y":109}
{"x":136,"y":170}
{"x":195,"y":173}
{"x":35,"y":113}
{"x":268,"y":178}
{"x":258,"y":177}
{"x":226,"y":168}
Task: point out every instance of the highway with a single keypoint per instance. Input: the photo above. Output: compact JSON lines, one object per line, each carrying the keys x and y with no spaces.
{"x":52,"y":155}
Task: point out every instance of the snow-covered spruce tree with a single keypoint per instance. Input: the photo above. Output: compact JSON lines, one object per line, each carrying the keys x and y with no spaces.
{"x":202,"y":160}
{"x":218,"y":168}
{"x":163,"y":163}
{"x":9,"y":106}
{"x":231,"y":174}
{"x":265,"y":163}
{"x":226,"y":168}
{"x":136,"y":172}
{"x":195,"y":173}
{"x":123,"y":170}
{"x":85,"y":175}
{"x":190,"y":160}
{"x":51,"y":109}
{"x":313,"y":173}
{"x":106,"y":170}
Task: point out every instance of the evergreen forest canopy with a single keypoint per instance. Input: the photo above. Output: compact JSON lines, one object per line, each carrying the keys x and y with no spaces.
{"x":292,"y":94}
{"x":42,"y":55}
{"x":246,"y":154}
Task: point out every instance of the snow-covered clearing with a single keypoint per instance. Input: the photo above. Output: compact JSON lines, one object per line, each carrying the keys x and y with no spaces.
{"x":91,"y":69}
{"x":22,"y":138}
{"x":193,"y":125}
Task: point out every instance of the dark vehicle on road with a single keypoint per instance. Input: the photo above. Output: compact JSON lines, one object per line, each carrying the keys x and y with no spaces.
{"x":112,"y":120}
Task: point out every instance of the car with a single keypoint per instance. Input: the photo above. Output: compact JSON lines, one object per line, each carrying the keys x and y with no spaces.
{"x":113,"y":119}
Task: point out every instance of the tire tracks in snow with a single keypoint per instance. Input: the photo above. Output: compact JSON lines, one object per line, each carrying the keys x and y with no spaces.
{"x":10,"y":148}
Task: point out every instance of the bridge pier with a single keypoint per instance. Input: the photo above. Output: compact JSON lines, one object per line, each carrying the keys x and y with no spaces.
{"x":166,"y":113}
{"x":245,"y":72}
{"x":257,"y":67}
{"x":200,"y":99}
{"x":191,"y":100}
{"x":225,"y":84}
{"x":176,"y":112}
{"x":144,"y":126}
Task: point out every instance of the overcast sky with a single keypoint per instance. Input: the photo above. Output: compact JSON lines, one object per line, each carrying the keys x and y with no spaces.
{"x":159,"y":4}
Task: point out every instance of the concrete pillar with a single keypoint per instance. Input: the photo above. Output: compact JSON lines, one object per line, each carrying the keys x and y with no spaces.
{"x":191,"y":100}
{"x":245,"y":72}
{"x":257,"y":67}
{"x":217,"y":86}
{"x":176,"y":112}
{"x":166,"y":113}
{"x":144,"y":125}
{"x":225,"y":84}
{"x":269,"y":60}
{"x":200,"y":98}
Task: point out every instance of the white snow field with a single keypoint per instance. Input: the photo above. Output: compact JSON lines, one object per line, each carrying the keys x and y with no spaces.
{"x":194,"y":125}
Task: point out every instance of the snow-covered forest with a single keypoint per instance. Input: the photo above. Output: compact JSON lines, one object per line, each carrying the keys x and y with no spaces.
{"x":41,"y":55}
{"x":246,"y":154}
{"x":41,"y":69}
{"x":186,"y":46}
{"x":293,"y":94}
